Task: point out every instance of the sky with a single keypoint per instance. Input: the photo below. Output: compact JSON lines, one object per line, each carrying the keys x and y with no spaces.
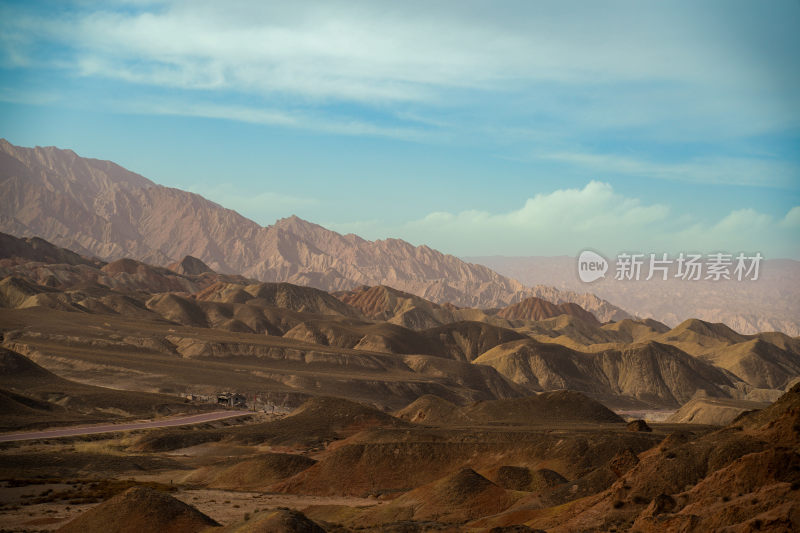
{"x":477,"y":128}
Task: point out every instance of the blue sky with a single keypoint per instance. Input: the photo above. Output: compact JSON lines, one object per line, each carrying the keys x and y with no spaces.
{"x":478,"y":128}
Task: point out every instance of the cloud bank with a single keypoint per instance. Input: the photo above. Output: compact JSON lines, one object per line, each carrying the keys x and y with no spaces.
{"x":566,"y":221}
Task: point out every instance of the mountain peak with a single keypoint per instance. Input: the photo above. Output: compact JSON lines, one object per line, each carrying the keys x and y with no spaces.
{"x":115,"y":213}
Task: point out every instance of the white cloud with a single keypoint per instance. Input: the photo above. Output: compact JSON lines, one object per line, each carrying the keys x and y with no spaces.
{"x":553,"y":76}
{"x":792,"y":219}
{"x":379,"y":53}
{"x":567,"y":221}
{"x":366,"y":51}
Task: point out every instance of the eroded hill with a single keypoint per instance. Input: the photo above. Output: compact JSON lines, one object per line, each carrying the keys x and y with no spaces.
{"x":151,"y":326}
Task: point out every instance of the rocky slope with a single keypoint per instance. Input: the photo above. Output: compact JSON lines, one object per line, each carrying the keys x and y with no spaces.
{"x":462,"y":354}
{"x":537,"y":309}
{"x":546,"y":408}
{"x":98,"y":208}
{"x":650,"y":372}
{"x":744,"y":477}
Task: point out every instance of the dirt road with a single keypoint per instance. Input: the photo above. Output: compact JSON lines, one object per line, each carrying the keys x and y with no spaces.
{"x":109,"y":428}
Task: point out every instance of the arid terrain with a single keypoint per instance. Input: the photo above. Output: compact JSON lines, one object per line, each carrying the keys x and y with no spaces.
{"x":375,"y":409}
{"x":399,"y":267}
{"x":199,"y":372}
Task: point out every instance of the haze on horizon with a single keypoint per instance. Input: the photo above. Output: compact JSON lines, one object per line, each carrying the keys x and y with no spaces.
{"x":517,"y":128}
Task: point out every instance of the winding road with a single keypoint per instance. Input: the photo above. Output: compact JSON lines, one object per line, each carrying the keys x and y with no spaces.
{"x":110,"y":428}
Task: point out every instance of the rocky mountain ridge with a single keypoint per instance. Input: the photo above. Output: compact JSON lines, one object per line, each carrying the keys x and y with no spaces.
{"x":98,"y":208}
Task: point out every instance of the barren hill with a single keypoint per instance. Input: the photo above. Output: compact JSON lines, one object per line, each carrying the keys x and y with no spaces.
{"x":140,"y":509}
{"x":538,"y":309}
{"x":28,"y":385}
{"x":304,"y":339}
{"x":98,"y":208}
{"x":275,"y":521}
{"x":191,"y":266}
{"x":653,"y":373}
{"x":713,"y":411}
{"x":546,"y":408}
{"x":741,"y":478}
{"x":456,"y":498}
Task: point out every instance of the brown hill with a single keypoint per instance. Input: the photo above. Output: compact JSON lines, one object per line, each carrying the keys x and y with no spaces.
{"x":140,"y":509}
{"x":99,"y":208}
{"x":430,"y":409}
{"x":457,"y":498}
{"x":410,"y":311}
{"x":20,"y":411}
{"x":133,"y":275}
{"x":636,"y":331}
{"x":467,"y":340}
{"x":571,"y":331}
{"x":697,"y":337}
{"x":190,"y":266}
{"x":276,"y":521}
{"x":548,"y":407}
{"x":521,"y":478}
{"x":653,"y":373}
{"x":741,"y":478}
{"x":537,"y":309}
{"x":40,"y":262}
{"x":755,"y":367}
{"x":385,"y":303}
{"x":317,"y":421}
{"x":16,"y":293}
{"x":177,"y":309}
{"x":781,"y":340}
{"x":253,"y":473}
{"x":713,"y":411}
{"x":382,"y":337}
{"x":336,"y":415}
{"x":763,"y":361}
{"x":392,"y":460}
{"x":777,"y":423}
{"x":39,"y":250}
{"x":22,"y":376}
{"x":758,"y":362}
{"x":283,"y":295}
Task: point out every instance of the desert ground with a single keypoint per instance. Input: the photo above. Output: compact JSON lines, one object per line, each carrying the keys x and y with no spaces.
{"x":374,"y":410}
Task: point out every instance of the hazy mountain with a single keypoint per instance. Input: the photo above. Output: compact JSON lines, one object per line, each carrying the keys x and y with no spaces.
{"x":771,"y":303}
{"x":99,"y":208}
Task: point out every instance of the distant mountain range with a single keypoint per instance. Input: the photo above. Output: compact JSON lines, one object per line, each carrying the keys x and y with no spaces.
{"x":532,"y":345}
{"x":98,"y":208}
{"x":771,"y":303}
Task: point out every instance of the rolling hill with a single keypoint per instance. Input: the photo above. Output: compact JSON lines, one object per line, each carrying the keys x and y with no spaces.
{"x":151,"y":327}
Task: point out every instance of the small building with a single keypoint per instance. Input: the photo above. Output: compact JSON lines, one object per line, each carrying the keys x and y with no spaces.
{"x":232,"y":399}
